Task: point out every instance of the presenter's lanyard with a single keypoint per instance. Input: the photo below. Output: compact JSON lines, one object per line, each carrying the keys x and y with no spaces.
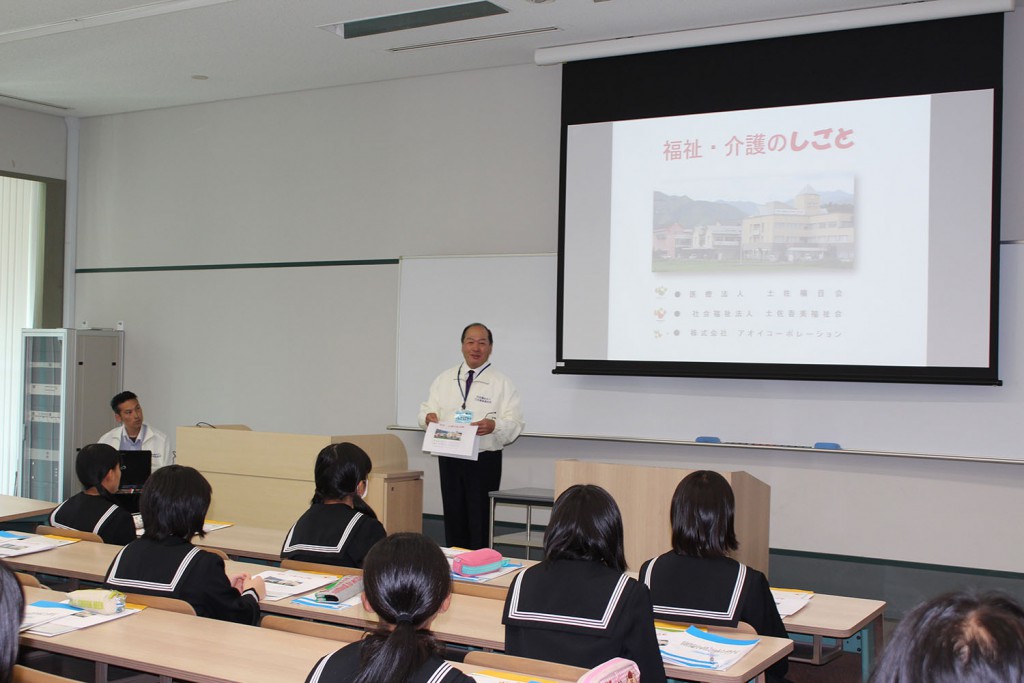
{"x":465,"y":391}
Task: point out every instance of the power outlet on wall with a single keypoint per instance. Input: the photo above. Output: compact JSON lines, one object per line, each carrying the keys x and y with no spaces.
{"x":120,"y":325}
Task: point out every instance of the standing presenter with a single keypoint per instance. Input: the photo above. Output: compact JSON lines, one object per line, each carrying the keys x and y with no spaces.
{"x":473,"y":392}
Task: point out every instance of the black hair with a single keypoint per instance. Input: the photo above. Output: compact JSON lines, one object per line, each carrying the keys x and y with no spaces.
{"x":704,"y":516}
{"x":959,"y":637}
{"x":490,"y":337}
{"x":585,"y":525}
{"x":12,"y":608}
{"x":93,"y":463}
{"x":338,"y":470}
{"x":121,"y":398}
{"x":174,"y":502}
{"x":406,"y":579}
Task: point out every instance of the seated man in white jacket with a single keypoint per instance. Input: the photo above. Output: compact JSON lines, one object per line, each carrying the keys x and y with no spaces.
{"x":133,"y":434}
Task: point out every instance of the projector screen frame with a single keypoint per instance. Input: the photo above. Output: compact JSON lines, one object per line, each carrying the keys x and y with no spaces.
{"x":922,"y":58}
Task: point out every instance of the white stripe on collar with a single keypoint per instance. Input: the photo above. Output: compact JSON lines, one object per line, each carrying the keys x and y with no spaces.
{"x":728,"y":614}
{"x":152,"y":585}
{"x":322,"y":548}
{"x":515,"y":613}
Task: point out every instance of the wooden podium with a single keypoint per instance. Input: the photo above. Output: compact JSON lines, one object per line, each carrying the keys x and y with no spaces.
{"x":265,"y":479}
{"x":644,"y":495}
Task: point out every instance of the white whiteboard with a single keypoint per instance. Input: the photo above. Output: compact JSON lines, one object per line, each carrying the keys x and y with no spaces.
{"x":515,"y":296}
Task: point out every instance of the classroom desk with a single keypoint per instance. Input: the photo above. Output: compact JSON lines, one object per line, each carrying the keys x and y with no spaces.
{"x":203,"y":650}
{"x":825,"y":616}
{"x":206,"y":650}
{"x":476,"y":622}
{"x":87,"y":561}
{"x":15,"y":507}
{"x":835,"y":616}
{"x":83,"y":560}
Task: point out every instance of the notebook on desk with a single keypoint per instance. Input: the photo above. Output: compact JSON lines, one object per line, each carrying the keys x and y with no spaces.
{"x":136,"y":467}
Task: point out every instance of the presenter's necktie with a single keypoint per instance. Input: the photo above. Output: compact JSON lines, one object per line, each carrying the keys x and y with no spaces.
{"x":469,"y":382}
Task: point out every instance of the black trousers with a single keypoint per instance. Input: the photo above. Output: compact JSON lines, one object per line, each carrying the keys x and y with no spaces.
{"x":467,"y":507}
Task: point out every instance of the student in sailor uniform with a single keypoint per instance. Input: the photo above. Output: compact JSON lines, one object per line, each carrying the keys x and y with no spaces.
{"x":98,"y":467}
{"x":165,"y":563}
{"x":697,"y":582}
{"x":339,"y":527}
{"x":407,"y":582}
{"x":578,"y":606}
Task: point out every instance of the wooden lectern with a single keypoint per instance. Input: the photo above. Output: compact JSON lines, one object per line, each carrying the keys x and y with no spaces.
{"x":265,"y":479}
{"x":644,"y":495}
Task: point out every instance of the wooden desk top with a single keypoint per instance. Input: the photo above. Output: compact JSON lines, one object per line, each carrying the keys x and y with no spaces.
{"x":476,"y":622}
{"x":15,"y":507}
{"x":88,"y":561}
{"x":472,"y":620}
{"x":469,"y":621}
{"x":834,"y":616}
{"x":240,"y":540}
{"x":205,"y":650}
{"x":83,"y":560}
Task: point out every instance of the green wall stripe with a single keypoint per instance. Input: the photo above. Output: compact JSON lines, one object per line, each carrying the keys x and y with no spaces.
{"x":244,"y":266}
{"x":922,"y":566}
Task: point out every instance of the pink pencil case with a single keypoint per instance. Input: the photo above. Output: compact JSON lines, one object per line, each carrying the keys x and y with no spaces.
{"x":477,"y":562}
{"x":616,"y":670}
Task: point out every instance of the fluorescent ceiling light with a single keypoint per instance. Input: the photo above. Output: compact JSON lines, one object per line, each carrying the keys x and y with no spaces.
{"x":772,"y":28}
{"x":475,"y":39}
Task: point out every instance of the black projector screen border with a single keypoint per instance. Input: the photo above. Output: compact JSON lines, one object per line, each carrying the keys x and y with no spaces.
{"x":943,"y":56}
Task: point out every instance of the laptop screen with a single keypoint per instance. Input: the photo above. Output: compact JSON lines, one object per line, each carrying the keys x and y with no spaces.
{"x":135,"y":469}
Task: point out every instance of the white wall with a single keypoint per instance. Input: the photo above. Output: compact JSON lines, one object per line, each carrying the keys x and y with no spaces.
{"x":32,"y":143}
{"x":462,"y":163}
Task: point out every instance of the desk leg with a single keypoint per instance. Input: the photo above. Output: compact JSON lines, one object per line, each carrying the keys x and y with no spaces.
{"x":494,"y":505}
{"x":529,"y":529}
{"x":872,"y":647}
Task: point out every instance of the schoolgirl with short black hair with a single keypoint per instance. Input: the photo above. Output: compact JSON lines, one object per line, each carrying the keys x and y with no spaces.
{"x":578,"y":606}
{"x":165,"y":563}
{"x":93,"y":509}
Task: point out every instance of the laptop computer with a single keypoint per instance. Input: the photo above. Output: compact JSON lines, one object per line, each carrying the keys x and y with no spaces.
{"x":136,"y":467}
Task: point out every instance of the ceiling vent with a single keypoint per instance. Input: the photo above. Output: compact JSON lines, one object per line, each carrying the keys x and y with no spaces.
{"x":400,"y":22}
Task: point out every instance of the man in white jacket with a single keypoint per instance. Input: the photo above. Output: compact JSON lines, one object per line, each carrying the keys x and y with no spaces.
{"x":133,"y":434}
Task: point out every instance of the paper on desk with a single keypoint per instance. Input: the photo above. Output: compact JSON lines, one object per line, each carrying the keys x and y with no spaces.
{"x":697,"y":649}
{"x":451,"y":439}
{"x":490,"y":676}
{"x":284,"y":583}
{"x":42,"y":611}
{"x":790,"y":601}
{"x":12,"y":545}
{"x":67,"y":618}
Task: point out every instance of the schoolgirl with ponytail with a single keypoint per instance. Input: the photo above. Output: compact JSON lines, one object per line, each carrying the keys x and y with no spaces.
{"x":339,"y":527}
{"x":98,"y":467}
{"x":407,"y":582}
